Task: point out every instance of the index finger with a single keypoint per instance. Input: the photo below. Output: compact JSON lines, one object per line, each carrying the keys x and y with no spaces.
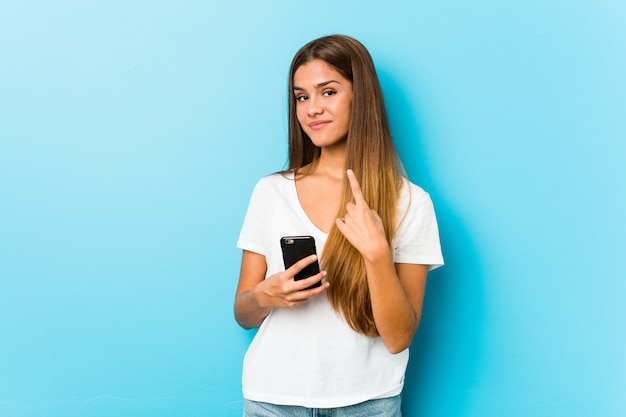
{"x":301,"y":264}
{"x":356,"y":188}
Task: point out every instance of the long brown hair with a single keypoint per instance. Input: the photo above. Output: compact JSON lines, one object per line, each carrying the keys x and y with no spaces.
{"x":370,"y":153}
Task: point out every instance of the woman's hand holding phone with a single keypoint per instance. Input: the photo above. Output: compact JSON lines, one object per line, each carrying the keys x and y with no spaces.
{"x":283,"y":291}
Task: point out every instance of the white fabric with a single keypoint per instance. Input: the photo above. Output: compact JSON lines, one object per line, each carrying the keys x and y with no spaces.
{"x":308,"y":356}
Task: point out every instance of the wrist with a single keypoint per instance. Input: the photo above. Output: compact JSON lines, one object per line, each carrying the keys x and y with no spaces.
{"x":258,"y":298}
{"x":255,"y":297}
{"x":378,"y":251}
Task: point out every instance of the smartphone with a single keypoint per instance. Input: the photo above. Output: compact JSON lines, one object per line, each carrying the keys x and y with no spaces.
{"x":296,"y":248}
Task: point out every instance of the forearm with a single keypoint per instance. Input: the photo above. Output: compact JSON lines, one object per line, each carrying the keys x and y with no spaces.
{"x":395,"y":317}
{"x":248,"y":312}
{"x":257,"y":295}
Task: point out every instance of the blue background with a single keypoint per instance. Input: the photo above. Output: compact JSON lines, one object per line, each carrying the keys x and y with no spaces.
{"x":132,"y":133}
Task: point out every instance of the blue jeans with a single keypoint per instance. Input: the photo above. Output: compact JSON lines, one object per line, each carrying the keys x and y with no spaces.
{"x":384,"y":407}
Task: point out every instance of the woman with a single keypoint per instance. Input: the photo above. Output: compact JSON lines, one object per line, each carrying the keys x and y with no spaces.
{"x":343,"y":345}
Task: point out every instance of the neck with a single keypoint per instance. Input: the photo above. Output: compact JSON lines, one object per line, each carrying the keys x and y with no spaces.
{"x":332,"y":161}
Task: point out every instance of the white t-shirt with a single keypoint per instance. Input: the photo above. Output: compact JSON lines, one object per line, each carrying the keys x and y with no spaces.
{"x":308,"y":355}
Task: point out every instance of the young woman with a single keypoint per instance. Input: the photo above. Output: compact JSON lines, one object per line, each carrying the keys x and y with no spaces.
{"x":343,"y":345}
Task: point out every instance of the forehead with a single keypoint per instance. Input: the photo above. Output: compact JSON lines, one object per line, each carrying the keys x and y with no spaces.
{"x":315,"y":72}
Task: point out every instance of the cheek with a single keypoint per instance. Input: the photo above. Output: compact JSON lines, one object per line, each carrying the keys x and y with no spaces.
{"x":346,"y":111}
{"x":344,"y":108}
{"x":300,"y":114}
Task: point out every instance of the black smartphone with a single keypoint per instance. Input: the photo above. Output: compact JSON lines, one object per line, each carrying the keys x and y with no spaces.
{"x":296,"y":248}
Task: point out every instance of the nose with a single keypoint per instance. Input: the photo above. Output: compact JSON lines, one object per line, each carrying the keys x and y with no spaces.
{"x":314,"y":108}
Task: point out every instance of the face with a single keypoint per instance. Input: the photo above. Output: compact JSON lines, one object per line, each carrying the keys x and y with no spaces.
{"x":323,"y":103}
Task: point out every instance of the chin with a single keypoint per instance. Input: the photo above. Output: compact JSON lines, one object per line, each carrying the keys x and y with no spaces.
{"x":325,"y":143}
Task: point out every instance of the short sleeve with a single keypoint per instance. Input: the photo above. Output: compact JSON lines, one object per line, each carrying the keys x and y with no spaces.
{"x":417,"y":238}
{"x":251,"y":237}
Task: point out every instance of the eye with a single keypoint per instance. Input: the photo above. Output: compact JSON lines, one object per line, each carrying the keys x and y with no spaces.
{"x":301,"y":97}
{"x":328,"y":93}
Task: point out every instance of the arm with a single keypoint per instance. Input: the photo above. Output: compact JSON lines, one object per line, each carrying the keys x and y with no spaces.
{"x":257,"y":295}
{"x":396,"y":295}
{"x":396,"y":291}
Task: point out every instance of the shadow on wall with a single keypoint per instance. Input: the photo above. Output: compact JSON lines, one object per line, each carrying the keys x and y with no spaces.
{"x":446,"y":353}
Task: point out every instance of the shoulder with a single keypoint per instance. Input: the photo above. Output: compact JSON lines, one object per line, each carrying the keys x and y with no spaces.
{"x":277,"y":180}
{"x":273,"y":188}
{"x":414,"y":208}
{"x":411,"y":196}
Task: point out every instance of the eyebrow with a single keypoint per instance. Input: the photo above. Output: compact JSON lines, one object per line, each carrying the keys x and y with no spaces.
{"x":317,"y":86}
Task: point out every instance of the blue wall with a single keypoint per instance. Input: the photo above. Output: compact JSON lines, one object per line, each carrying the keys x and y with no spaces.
{"x":131,"y":134}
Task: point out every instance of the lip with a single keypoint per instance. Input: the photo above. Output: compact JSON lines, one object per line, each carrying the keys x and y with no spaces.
{"x":318,"y":124}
